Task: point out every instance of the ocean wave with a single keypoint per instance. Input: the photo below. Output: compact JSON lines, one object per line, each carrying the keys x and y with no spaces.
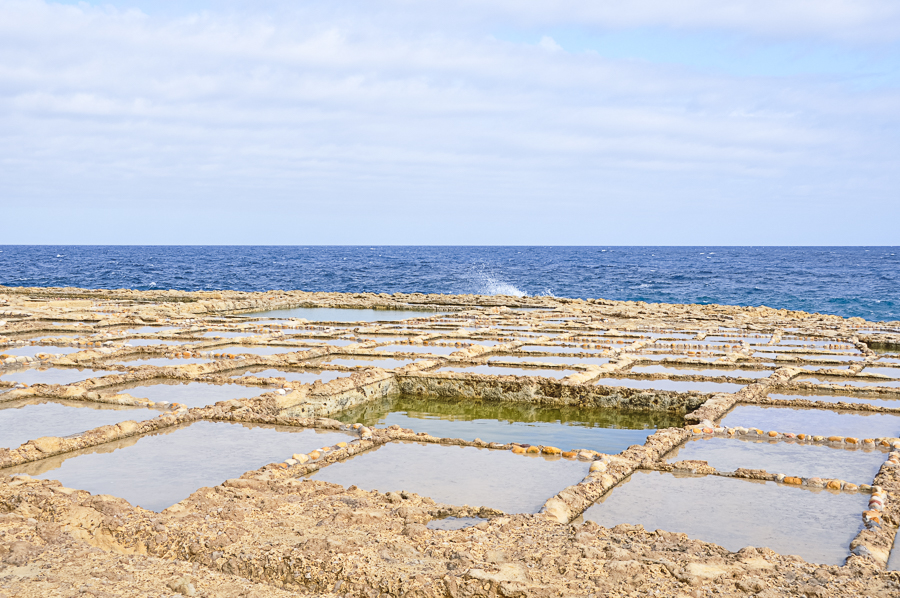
{"x":486,"y":282}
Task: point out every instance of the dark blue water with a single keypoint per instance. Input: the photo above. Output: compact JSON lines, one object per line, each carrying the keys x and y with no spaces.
{"x":849,"y":281}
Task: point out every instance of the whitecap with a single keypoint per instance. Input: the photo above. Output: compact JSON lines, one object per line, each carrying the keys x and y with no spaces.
{"x":486,"y":283}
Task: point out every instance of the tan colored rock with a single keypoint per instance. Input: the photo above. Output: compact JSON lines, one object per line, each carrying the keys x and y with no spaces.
{"x":48,"y":444}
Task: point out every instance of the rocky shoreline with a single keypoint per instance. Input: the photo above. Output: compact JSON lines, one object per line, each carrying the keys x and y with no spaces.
{"x":274,"y":531}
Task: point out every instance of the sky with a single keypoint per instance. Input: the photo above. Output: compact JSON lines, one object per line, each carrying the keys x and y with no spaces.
{"x":462,"y":122}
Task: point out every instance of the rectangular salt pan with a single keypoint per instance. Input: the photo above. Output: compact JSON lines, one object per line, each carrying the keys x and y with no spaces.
{"x":560,"y":359}
{"x":54,"y":375}
{"x":29,"y":419}
{"x":327,"y":314}
{"x":603,"y":430}
{"x":673,"y":385}
{"x":32,"y":350}
{"x":326,"y":342}
{"x":821,"y":422}
{"x":459,"y":475}
{"x":787,"y":357}
{"x":817,"y":525}
{"x":294,"y":375}
{"x":558,"y":349}
{"x":845,"y":382}
{"x":365,"y":362}
{"x":158,"y":470}
{"x":893,"y":563}
{"x":164,"y":362}
{"x":434,"y":350}
{"x":711,"y":373}
{"x":726,"y":454}
{"x":892,"y":403}
{"x":191,"y":394}
{"x":147,"y":342}
{"x":493,"y":370}
{"x":251,"y":350}
{"x":885,"y":371}
{"x":217,"y":333}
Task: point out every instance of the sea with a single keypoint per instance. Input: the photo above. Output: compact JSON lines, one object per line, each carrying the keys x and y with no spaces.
{"x":847,"y":281}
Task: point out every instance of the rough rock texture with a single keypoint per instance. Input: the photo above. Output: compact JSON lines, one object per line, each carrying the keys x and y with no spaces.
{"x":273,"y":533}
{"x":307,"y":536}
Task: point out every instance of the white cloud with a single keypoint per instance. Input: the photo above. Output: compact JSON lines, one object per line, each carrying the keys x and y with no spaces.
{"x":857,"y":20}
{"x":373,"y":128}
{"x":548,"y":43}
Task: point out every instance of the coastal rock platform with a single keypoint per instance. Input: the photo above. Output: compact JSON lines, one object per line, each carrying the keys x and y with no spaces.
{"x":304,"y":364}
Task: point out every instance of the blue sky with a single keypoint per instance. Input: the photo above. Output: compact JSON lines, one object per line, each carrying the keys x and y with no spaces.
{"x":746,"y":122}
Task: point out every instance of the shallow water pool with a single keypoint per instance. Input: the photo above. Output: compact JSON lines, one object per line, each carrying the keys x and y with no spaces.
{"x":302,"y":376}
{"x":499,"y":370}
{"x":329,"y":342}
{"x":32,"y":350}
{"x":365,"y":362}
{"x":893,"y":563}
{"x":603,"y":430}
{"x":156,"y":471}
{"x":710,"y":373}
{"x":54,"y":375}
{"x":149,"y":329}
{"x":558,"y":349}
{"x":560,"y":359}
{"x":163,"y":362}
{"x":816,"y":525}
{"x":673,"y":385}
{"x":145,"y":342}
{"x":432,"y":349}
{"x":845,"y":382}
{"x":727,"y":454}
{"x":459,"y":475}
{"x":885,"y":371}
{"x":661,"y":356}
{"x":878,"y":402}
{"x":328,"y":314}
{"x":219,"y":334}
{"x":821,"y":422}
{"x":807,"y":357}
{"x":192,"y":394}
{"x":28,"y":419}
{"x":254,"y":350}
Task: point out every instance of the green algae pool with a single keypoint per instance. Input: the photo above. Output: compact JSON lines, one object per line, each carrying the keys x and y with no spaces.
{"x":603,"y":430}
